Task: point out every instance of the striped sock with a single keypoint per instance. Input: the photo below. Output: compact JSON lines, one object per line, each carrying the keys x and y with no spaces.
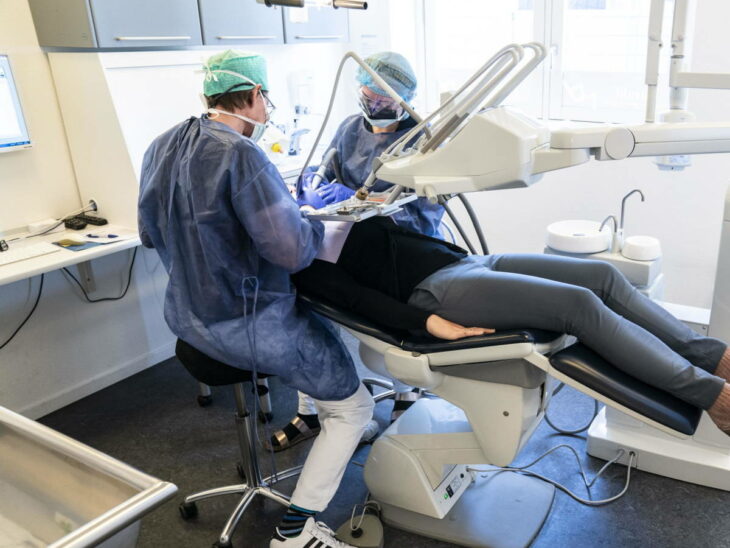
{"x":293,"y":521}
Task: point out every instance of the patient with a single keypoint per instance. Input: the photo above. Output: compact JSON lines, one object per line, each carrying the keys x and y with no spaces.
{"x":404,"y":280}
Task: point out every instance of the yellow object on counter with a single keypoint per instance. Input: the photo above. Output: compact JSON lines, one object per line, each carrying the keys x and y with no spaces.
{"x":276,"y":147}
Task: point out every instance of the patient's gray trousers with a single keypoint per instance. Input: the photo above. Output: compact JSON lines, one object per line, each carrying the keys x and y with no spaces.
{"x":591,"y":300}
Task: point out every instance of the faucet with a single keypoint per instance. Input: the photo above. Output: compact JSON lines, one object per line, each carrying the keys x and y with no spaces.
{"x":620,"y":233}
{"x":294,"y":146}
{"x":614,"y":239}
{"x":623,"y":205}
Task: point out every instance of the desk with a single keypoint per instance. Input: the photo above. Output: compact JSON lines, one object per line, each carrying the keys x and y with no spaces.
{"x":28,"y":268}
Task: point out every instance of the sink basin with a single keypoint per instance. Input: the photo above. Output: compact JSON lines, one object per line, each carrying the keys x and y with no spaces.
{"x":578,"y":236}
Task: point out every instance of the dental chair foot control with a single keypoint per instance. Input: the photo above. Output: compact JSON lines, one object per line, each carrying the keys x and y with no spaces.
{"x":368,"y":535}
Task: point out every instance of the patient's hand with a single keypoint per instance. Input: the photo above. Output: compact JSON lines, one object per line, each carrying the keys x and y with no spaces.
{"x":444,"y":329}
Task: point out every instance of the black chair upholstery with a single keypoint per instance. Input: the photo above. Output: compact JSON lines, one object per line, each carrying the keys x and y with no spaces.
{"x":423,"y":344}
{"x":588,"y":368}
{"x":207,"y":370}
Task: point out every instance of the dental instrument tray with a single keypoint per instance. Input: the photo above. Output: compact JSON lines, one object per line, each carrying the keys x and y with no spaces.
{"x":354,"y":210}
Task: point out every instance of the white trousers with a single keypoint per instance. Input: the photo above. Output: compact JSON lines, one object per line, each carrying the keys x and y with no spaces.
{"x":308,"y":407}
{"x":343,"y":423}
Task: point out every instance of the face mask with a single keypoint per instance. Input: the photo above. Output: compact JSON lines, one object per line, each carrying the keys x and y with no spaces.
{"x":258,"y":127}
{"x":381,"y":123}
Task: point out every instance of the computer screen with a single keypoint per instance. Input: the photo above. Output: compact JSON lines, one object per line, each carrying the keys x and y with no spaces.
{"x":13,"y":130}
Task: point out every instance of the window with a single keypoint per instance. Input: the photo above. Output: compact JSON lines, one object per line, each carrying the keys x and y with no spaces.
{"x":594,"y":71}
{"x":459,"y":41}
{"x":597,"y":71}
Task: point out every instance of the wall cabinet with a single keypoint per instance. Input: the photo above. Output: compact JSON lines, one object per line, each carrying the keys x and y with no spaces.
{"x":240,"y":22}
{"x":313,"y":24}
{"x":177,"y":23}
{"x":116,"y":23}
{"x":146,"y":23}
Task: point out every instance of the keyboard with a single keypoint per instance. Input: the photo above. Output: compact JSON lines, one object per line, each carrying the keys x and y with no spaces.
{"x":19,"y":252}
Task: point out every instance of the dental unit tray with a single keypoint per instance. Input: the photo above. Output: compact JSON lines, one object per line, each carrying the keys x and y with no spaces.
{"x":354,"y":210}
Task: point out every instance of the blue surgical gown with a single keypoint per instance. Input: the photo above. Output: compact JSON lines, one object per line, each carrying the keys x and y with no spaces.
{"x":229,"y":235}
{"x":357,"y":146}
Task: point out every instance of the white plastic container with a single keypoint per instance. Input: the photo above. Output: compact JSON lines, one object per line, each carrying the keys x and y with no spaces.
{"x":578,"y":236}
{"x":641,"y":248}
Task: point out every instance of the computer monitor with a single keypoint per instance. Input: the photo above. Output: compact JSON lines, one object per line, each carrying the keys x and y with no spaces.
{"x":13,"y":130}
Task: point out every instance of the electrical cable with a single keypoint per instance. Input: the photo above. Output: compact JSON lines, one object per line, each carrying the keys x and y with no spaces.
{"x":588,"y":484}
{"x":35,"y":305}
{"x":84,"y":209}
{"x":577,"y":430}
{"x":104,"y":299}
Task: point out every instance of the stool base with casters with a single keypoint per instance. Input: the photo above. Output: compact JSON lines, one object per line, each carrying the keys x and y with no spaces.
{"x":214,"y":373}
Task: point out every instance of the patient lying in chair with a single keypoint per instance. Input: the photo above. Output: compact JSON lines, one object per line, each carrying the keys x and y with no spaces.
{"x":404,"y":280}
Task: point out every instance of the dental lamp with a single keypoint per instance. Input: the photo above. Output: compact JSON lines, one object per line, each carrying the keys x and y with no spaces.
{"x":348,"y":4}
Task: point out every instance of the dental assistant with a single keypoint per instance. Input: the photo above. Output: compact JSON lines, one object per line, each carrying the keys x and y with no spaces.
{"x":229,"y":235}
{"x":364,"y":136}
{"x":359,"y":140}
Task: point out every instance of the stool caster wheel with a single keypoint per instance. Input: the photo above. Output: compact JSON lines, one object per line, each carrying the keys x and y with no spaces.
{"x":188,"y":510}
{"x":205,"y":401}
{"x":219,"y":544}
{"x":241,"y":473}
{"x":265,"y":417}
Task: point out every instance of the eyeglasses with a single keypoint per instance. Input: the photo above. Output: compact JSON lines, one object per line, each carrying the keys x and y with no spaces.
{"x":380,"y":107}
{"x":270,"y":107}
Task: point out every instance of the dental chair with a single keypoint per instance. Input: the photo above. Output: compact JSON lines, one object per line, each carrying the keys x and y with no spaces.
{"x":494,"y":391}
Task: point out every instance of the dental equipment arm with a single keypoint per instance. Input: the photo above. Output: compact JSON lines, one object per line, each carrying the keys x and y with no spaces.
{"x":501,"y":148}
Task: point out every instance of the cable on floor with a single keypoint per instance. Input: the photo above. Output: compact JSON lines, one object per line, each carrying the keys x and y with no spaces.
{"x":35,"y":305}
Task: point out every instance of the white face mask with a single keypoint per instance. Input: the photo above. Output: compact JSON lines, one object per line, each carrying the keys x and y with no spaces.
{"x":258,"y":127}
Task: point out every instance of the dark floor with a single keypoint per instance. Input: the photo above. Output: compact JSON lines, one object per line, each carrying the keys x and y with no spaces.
{"x":152,"y":422}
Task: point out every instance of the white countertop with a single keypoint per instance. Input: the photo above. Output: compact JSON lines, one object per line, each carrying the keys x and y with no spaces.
{"x":28,"y":268}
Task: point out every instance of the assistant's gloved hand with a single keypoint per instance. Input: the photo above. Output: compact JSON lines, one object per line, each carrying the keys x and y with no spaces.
{"x":305,"y":195}
{"x":309,"y":197}
{"x":334,"y":192}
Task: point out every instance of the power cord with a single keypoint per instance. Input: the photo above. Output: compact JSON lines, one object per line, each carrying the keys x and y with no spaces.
{"x":35,"y":305}
{"x":103,"y":299}
{"x":588,"y":484}
{"x":90,"y":207}
{"x":577,"y":430}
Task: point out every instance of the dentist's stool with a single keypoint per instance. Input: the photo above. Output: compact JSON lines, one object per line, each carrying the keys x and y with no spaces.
{"x":214,"y":373}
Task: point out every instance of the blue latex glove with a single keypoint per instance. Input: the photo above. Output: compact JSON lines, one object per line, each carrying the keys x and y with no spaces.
{"x":334,"y":192}
{"x":305,"y":194}
{"x":308,"y":197}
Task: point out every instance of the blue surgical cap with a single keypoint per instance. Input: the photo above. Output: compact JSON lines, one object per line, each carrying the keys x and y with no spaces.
{"x":394,"y":69}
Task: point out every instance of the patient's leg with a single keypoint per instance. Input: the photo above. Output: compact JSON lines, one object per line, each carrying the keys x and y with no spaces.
{"x":616,"y":291}
{"x":470,"y":294}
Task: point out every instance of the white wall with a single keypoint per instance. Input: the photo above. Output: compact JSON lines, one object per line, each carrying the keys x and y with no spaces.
{"x":69,"y":348}
{"x":37,"y":183}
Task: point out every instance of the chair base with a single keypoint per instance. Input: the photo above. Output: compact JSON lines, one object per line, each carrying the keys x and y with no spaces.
{"x":248,"y":494}
{"x":703,"y":459}
{"x":505,"y":510}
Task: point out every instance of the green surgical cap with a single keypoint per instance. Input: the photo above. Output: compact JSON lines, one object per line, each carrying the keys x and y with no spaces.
{"x":249,"y":65}
{"x":394,"y":69}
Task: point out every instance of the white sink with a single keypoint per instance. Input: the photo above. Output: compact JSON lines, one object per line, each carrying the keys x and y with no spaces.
{"x":577,"y":236}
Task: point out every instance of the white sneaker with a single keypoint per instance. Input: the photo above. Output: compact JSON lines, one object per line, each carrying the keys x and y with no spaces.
{"x":315,"y":535}
{"x":372,"y":429}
